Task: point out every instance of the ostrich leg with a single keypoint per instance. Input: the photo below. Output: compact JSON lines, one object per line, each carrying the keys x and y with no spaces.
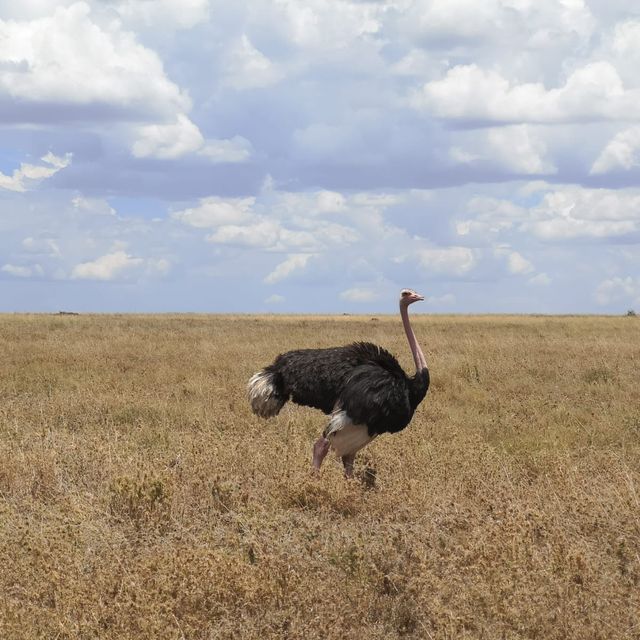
{"x":348,"y":461}
{"x":320,"y":450}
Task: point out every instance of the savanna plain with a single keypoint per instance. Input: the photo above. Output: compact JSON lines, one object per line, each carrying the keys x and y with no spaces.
{"x":140,"y":497}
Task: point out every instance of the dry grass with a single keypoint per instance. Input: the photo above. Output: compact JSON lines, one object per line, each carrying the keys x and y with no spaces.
{"x":140,"y":498}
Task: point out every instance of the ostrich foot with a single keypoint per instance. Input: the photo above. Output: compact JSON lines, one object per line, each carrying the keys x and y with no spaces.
{"x":320,"y":450}
{"x":348,"y":461}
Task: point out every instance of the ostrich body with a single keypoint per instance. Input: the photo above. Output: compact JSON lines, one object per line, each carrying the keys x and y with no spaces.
{"x":361,"y":386}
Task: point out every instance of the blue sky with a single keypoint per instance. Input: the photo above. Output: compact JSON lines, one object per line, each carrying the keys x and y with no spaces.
{"x":318,"y":156}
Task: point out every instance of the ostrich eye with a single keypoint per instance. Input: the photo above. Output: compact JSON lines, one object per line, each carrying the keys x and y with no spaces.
{"x":406,"y":293}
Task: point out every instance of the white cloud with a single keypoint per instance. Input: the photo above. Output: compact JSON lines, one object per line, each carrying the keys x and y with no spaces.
{"x":265,"y":234}
{"x":468,"y":92}
{"x":330,"y":202}
{"x":316,"y":24}
{"x":534,"y":25}
{"x":562,"y":213}
{"x":575,"y":212}
{"x":541,"y":279}
{"x":248,"y":68}
{"x":158,"y":266}
{"x":22,"y":271}
{"x":622,"y":152}
{"x":570,"y":227}
{"x":44,"y":246}
{"x":358,"y":294}
{"x":463,"y":156}
{"x":66,"y":58}
{"x":236,"y":149}
{"x":214,"y":212}
{"x":93,"y":206}
{"x":276,"y":221}
{"x":518,"y":149}
{"x":108,"y":267}
{"x":312,"y":203}
{"x":59,"y":162}
{"x":167,"y":141}
{"x":518,"y":264}
{"x":30,"y":9}
{"x":626,"y":39}
{"x":454,"y":261}
{"x":416,"y":62}
{"x":295,"y":262}
{"x":618,"y":290}
{"x":490,"y":216}
{"x":166,"y":14}
{"x":29,"y":175}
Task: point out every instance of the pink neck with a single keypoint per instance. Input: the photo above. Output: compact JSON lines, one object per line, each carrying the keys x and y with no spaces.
{"x":418,"y":356}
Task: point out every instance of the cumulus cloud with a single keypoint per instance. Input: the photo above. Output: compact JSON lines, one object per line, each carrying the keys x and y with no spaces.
{"x":314,"y":203}
{"x":316,"y":25}
{"x":108,"y":267}
{"x":236,"y":149}
{"x":293,"y":263}
{"x":518,"y":264}
{"x":44,"y":246}
{"x":538,"y":24}
{"x":29,"y":175}
{"x":214,"y":211}
{"x":276,"y":221}
{"x":561,"y":213}
{"x":92,"y":206}
{"x":626,"y":39}
{"x":541,"y":279}
{"x":573,"y":212}
{"x":622,"y":290}
{"x":469,"y":92}
{"x":515,"y":262}
{"x":248,"y":68}
{"x":22,"y":271}
{"x":490,"y":216}
{"x":452,"y":261}
{"x":165,"y":14}
{"x":168,"y":141}
{"x":518,"y":149}
{"x":622,"y":152}
{"x":264,"y":234}
{"x":67,"y":59}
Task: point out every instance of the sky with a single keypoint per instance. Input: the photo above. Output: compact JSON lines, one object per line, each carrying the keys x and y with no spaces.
{"x":316,"y":156}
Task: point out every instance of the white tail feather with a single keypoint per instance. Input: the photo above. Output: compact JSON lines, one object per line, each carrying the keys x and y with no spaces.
{"x":263,"y":395}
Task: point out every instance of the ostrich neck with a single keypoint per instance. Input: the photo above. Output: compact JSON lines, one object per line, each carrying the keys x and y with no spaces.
{"x":418,"y":356}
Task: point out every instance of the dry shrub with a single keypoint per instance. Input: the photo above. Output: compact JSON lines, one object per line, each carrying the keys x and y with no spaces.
{"x":143,"y":502}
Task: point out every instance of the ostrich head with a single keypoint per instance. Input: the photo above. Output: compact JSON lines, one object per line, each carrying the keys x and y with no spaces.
{"x":409,"y":296}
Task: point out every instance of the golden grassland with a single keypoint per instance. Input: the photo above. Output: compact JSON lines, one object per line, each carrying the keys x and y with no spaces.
{"x":140,"y":498}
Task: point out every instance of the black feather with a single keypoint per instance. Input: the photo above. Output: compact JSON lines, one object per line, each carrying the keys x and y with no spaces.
{"x":363,"y":379}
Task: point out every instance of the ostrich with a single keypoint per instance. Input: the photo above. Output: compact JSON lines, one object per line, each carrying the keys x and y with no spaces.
{"x":361,"y":386}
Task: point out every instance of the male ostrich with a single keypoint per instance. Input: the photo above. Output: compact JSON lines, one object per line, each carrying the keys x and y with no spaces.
{"x":360,"y":385}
